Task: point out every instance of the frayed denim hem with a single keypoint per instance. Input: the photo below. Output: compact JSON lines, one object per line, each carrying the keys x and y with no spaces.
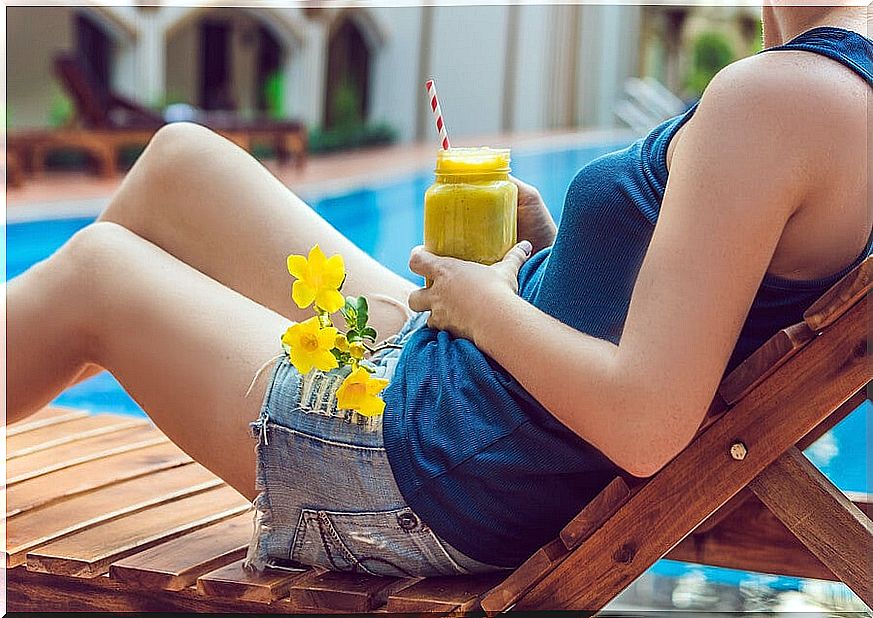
{"x":256,"y":556}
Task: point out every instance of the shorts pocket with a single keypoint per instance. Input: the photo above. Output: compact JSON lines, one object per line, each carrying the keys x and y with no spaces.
{"x":393,"y":543}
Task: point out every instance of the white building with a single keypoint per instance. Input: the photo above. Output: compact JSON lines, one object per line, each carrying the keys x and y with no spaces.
{"x":498,"y":68}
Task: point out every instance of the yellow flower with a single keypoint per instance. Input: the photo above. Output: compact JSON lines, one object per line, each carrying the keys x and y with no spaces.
{"x":318,"y":279}
{"x":357,"y":350}
{"x":310,"y":346}
{"x":341,"y":343}
{"x":360,"y":392}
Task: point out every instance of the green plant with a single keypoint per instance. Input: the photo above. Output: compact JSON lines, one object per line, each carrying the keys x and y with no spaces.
{"x":274,"y":95}
{"x":758,"y":40}
{"x":710,"y":52}
{"x":166,"y":99}
{"x":61,"y":111}
{"x":346,"y":104}
{"x":345,"y":137}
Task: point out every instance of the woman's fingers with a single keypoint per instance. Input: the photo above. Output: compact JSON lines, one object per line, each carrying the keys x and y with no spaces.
{"x":517,"y":256}
{"x":423,"y":262}
{"x":525,"y":191}
{"x":420,"y":300}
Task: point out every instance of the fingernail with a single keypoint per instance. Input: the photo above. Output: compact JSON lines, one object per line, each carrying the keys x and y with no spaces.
{"x":526,"y":247}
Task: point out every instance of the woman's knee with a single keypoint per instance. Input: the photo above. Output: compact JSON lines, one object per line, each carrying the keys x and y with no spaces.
{"x":91,"y":265}
{"x":178,"y":142}
{"x":174,"y":160}
{"x":93,"y":245}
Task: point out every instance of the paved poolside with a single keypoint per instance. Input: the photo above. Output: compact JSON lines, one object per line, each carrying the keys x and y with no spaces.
{"x":81,"y":193}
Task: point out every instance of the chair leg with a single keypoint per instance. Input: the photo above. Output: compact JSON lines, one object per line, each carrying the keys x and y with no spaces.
{"x":105,"y":155}
{"x":821,"y":517}
{"x":14,"y":171}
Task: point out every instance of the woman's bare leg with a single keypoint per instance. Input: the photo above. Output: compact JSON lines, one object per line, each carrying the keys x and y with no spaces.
{"x":184,"y":346}
{"x":210,"y":204}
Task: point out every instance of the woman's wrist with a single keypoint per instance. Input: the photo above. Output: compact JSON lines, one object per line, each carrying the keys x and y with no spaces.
{"x":496,"y":311}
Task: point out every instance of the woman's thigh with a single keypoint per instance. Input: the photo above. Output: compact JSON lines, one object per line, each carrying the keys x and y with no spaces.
{"x":210,"y":204}
{"x":183,"y":346}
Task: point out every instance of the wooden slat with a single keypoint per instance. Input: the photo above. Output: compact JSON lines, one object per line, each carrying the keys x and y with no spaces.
{"x":177,"y":564}
{"x":235,"y":582}
{"x":844,"y":293}
{"x":764,"y":361}
{"x":769,"y":420}
{"x":30,"y":530}
{"x":31,"y":466}
{"x":91,"y":475}
{"x":44,"y":592}
{"x":751,"y":538}
{"x":830,"y":422}
{"x":595,"y":513}
{"x":784,"y":344}
{"x":89,"y":553}
{"x":524,"y":578}
{"x":58,"y":434}
{"x":42,"y":418}
{"x":343,"y":592}
{"x":821,"y":517}
{"x":458,"y":595}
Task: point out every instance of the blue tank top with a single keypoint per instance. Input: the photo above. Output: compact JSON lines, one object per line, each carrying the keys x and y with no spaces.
{"x":480,"y":460}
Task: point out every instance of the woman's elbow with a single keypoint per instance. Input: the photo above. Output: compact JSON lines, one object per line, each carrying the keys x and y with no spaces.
{"x":643,"y":458}
{"x":645,"y":466}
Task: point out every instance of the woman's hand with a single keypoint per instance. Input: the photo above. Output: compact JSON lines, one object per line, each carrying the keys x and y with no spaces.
{"x":535,"y":223}
{"x":462,"y":294}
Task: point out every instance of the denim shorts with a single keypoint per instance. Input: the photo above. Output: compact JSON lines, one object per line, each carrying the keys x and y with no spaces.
{"x":327,"y":494}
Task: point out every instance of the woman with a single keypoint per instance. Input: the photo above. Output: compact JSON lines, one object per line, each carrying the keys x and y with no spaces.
{"x":519,"y":403}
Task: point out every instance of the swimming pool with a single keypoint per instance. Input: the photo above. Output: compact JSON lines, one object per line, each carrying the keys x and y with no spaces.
{"x":385,"y":220}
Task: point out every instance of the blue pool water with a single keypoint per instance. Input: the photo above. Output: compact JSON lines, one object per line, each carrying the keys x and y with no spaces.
{"x":386,"y":221}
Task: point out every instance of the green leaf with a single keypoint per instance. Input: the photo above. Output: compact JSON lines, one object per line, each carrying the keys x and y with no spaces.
{"x":350,"y":311}
{"x":363,"y":313}
{"x":369,"y":333}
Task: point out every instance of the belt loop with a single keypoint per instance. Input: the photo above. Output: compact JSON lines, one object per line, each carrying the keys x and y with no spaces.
{"x":264,"y":429}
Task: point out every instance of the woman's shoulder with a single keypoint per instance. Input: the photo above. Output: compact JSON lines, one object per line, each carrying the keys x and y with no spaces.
{"x":789,"y":80}
{"x":791,"y":86}
{"x":795,"y":105}
{"x":798,"y":119}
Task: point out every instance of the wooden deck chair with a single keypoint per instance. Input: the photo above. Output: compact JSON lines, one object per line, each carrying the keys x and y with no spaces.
{"x":119,"y":121}
{"x":14,"y":169}
{"x":103,"y":513}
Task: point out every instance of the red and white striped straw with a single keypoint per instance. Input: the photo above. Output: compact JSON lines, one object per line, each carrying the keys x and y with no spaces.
{"x":438,"y":114}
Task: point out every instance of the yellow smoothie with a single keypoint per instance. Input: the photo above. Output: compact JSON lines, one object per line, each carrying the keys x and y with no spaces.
{"x":470,"y":209}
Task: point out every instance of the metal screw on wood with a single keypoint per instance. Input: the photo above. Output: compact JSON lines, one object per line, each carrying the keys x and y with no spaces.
{"x":738,"y":451}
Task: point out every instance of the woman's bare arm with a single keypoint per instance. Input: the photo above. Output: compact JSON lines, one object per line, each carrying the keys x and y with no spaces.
{"x":743,"y":165}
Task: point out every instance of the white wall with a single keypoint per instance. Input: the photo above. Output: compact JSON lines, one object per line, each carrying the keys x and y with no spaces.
{"x":609,"y":54}
{"x":532,"y":68}
{"x":467,"y":61}
{"x":395,"y":79}
{"x":34,"y":35}
{"x":182,"y":63}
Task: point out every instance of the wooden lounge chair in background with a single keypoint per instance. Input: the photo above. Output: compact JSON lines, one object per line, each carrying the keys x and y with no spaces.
{"x":105,"y":514}
{"x":14,"y":171}
{"x":105,"y":122}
